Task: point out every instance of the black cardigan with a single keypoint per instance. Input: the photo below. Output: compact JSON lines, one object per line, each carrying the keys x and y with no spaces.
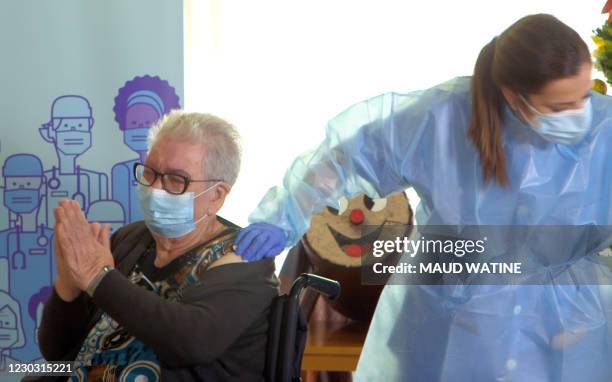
{"x":217,"y":332}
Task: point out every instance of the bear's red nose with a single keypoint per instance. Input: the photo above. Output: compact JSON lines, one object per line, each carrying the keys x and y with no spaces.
{"x":357,"y":217}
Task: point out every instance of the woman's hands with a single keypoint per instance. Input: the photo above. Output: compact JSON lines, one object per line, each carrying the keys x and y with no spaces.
{"x":81,"y":249}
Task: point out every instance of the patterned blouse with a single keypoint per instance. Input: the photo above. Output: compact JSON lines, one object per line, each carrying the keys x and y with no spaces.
{"x":110,"y":353}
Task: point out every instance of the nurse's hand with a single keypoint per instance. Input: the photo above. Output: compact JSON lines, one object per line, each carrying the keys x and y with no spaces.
{"x":260,"y":240}
{"x":568,"y":338}
{"x":85,"y":248}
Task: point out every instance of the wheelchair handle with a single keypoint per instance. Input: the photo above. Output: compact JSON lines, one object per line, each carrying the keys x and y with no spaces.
{"x":329,"y":288}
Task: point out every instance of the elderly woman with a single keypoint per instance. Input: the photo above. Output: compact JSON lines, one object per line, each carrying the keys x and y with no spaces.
{"x":165,"y":298}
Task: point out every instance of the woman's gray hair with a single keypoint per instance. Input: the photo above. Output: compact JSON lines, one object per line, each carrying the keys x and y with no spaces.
{"x":220,"y":139}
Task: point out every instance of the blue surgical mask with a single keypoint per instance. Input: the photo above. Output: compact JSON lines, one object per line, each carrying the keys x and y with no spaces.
{"x":21,"y":200}
{"x":8,"y":338}
{"x":73,"y":142}
{"x":566,"y":127}
{"x":136,"y":139}
{"x":169,"y":215}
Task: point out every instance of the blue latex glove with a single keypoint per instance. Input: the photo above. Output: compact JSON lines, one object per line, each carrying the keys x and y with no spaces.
{"x":260,"y":240}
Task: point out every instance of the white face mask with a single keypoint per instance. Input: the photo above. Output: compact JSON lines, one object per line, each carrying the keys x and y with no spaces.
{"x":566,"y":127}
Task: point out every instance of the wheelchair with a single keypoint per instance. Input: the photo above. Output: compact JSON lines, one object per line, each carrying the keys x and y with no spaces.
{"x":288,"y":328}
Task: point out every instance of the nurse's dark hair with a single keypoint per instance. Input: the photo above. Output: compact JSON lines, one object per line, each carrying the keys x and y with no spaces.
{"x":524,"y":58}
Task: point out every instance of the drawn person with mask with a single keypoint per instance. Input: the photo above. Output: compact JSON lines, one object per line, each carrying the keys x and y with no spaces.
{"x":523,"y":142}
{"x":206,"y":311}
{"x":28,"y":245}
{"x":69,"y":129}
{"x":11,"y":329}
{"x":140,"y":103}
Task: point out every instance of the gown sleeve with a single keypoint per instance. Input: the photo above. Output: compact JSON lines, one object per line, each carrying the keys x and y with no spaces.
{"x":373,"y":147}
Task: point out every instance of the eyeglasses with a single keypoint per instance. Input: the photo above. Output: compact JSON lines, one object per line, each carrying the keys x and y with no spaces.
{"x":172,"y":183}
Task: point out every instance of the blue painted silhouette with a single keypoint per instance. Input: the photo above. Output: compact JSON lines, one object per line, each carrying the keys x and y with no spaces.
{"x":140,"y":103}
{"x":28,"y":245}
{"x":69,"y":129}
{"x":106,"y":212}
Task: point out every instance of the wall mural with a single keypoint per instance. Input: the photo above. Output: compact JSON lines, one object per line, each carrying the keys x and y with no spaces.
{"x":32,"y":189}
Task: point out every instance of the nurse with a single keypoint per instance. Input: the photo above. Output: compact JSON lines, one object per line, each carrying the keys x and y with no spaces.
{"x":27,"y":246}
{"x":11,"y":330}
{"x":69,"y":130}
{"x":139,"y":105}
{"x":521,"y":142}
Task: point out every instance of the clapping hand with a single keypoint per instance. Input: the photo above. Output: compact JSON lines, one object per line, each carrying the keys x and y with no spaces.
{"x":82,"y":249}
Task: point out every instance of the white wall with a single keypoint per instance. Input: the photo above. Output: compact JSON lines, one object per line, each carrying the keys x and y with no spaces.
{"x":280,"y":69}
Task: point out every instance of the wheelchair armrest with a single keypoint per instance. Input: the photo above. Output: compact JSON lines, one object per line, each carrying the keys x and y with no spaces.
{"x":280,"y":365}
{"x":325,"y":286}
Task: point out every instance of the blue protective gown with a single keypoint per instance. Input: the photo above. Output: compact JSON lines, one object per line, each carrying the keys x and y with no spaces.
{"x":466,"y":332}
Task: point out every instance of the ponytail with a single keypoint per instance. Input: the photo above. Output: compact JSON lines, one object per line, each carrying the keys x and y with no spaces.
{"x":485,"y":126}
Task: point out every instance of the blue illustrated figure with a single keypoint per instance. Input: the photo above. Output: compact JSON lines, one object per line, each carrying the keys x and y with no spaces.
{"x":139,"y":105}
{"x":106,"y":212}
{"x":11,"y":331}
{"x":69,"y":129}
{"x":27,"y":246}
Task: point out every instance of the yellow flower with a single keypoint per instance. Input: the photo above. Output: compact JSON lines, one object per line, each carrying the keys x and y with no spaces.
{"x":600,"y":86}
